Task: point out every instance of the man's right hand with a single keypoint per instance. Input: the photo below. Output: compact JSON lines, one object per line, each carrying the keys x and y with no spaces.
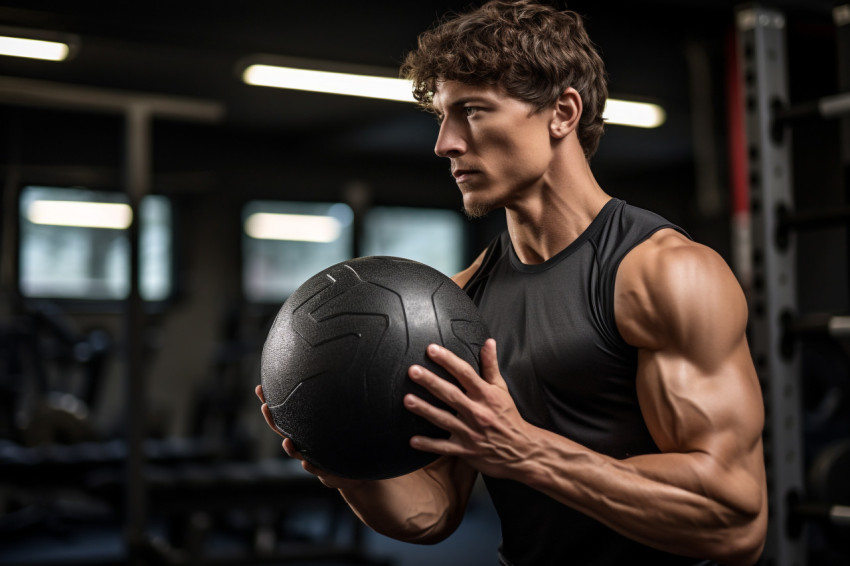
{"x":329,"y":480}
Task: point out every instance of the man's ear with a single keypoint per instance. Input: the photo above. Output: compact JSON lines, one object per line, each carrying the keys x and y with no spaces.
{"x":566,"y":113}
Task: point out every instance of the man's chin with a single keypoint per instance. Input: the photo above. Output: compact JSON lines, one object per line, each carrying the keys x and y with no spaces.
{"x":477,"y":209}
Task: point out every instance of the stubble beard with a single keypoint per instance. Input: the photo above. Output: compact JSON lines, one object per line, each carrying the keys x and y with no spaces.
{"x":478,"y":208}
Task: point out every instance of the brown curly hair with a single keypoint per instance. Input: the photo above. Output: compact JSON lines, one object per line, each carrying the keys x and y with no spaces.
{"x":532,"y":51}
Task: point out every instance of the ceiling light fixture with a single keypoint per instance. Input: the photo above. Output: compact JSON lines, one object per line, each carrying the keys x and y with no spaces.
{"x":33,"y":48}
{"x":637,"y":114}
{"x":369,"y":86}
{"x":37,"y":44}
{"x":115,"y":216}
{"x":293,"y":227}
{"x":337,"y":78}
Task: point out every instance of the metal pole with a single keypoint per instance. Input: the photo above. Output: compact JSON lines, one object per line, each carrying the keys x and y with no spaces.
{"x":137,"y":168}
{"x":841,"y":17}
{"x":138,"y":109}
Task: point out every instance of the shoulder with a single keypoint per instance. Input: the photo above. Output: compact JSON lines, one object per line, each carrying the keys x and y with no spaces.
{"x":463,"y":277}
{"x":671,"y":290}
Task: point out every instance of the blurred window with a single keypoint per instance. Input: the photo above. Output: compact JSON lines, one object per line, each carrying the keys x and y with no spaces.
{"x":74,"y":245}
{"x":431,"y":236}
{"x":286,"y":243}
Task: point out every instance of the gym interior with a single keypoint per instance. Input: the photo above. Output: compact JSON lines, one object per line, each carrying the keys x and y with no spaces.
{"x":129,"y":353}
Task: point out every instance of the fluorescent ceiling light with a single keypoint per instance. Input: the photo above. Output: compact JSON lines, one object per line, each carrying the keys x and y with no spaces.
{"x":33,"y":48}
{"x":621,"y":112}
{"x":385,"y":88}
{"x":638,"y":114}
{"x":295,"y":227}
{"x":115,"y":216}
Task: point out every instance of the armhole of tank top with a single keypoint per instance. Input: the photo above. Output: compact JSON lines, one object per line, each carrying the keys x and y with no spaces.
{"x":484,"y":269}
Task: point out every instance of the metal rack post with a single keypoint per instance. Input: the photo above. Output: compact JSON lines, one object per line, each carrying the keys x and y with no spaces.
{"x":763,"y":64}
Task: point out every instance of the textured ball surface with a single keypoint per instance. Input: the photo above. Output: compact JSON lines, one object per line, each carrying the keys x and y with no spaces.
{"x":335,"y":362}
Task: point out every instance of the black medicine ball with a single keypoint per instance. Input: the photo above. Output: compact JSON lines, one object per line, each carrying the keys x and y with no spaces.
{"x":335,"y":362}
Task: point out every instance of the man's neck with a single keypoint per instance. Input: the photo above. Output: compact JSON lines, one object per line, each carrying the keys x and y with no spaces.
{"x":549,"y":219}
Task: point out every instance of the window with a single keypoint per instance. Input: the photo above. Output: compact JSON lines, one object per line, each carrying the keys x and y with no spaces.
{"x":431,"y":236}
{"x":286,"y":243}
{"x":74,"y":245}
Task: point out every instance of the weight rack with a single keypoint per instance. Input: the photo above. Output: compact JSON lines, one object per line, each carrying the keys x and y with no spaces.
{"x":775,"y":323}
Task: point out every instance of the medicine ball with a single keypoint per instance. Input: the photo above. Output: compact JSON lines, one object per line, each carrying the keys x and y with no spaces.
{"x":335,"y":362}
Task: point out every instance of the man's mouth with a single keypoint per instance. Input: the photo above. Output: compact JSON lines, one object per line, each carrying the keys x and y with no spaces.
{"x":462,"y":175}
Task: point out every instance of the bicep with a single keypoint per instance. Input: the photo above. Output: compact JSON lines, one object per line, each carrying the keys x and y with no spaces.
{"x":696,"y":383}
{"x":697,"y":380}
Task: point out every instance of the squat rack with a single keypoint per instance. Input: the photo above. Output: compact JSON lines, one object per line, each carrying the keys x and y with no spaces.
{"x":775,"y":321}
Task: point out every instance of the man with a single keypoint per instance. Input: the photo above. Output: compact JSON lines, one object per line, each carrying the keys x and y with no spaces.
{"x":620,"y":420}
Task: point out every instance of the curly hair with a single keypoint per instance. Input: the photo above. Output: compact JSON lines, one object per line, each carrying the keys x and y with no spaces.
{"x":532,"y":51}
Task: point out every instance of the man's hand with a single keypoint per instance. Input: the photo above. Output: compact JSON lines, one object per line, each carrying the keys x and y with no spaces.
{"x":487,"y":430}
{"x":329,"y":480}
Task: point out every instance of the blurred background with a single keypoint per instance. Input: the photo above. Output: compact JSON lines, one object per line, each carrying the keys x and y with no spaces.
{"x":129,"y":430}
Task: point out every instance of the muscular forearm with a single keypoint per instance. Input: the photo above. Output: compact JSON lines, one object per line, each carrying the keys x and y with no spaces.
{"x":421,"y":507}
{"x":680,"y":503}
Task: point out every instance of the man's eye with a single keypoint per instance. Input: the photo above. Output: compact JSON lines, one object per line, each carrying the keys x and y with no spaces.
{"x":470,"y":110}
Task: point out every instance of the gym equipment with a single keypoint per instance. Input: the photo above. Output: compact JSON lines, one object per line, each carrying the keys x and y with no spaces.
{"x":335,"y":362}
{"x":827,"y":479}
{"x":776,"y":324}
{"x":827,"y":501}
{"x":816,"y":324}
{"x":788,"y":221}
{"x":827,"y":107}
{"x":761,"y":44}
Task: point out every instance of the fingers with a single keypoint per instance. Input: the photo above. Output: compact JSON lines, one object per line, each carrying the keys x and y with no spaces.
{"x":438,"y":416}
{"x":459,"y":368}
{"x":490,"y":363}
{"x":292,"y":451}
{"x":472,"y":386}
{"x":473,"y":404}
{"x":441,"y":446}
{"x":443,"y":389}
{"x":288,"y":444}
{"x":267,"y":414}
{"x":464,"y":373}
{"x":454,"y":424}
{"x":443,"y":419}
{"x":327,"y":479}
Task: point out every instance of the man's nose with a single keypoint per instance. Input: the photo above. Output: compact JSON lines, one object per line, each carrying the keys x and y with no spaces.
{"x":450,"y":141}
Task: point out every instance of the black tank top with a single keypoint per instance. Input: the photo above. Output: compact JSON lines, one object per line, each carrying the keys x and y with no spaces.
{"x":569,"y":371}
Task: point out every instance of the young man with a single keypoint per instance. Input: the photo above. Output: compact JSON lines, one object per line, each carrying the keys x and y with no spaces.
{"x":620,"y":420}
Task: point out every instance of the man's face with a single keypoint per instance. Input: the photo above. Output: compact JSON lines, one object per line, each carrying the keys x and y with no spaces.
{"x":499,"y":148}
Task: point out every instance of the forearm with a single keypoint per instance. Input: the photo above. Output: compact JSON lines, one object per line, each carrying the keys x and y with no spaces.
{"x":680,"y":503}
{"x":422,"y":507}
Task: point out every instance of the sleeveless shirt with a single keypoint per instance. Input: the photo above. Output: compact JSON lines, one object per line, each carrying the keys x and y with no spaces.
{"x":570,"y":372}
